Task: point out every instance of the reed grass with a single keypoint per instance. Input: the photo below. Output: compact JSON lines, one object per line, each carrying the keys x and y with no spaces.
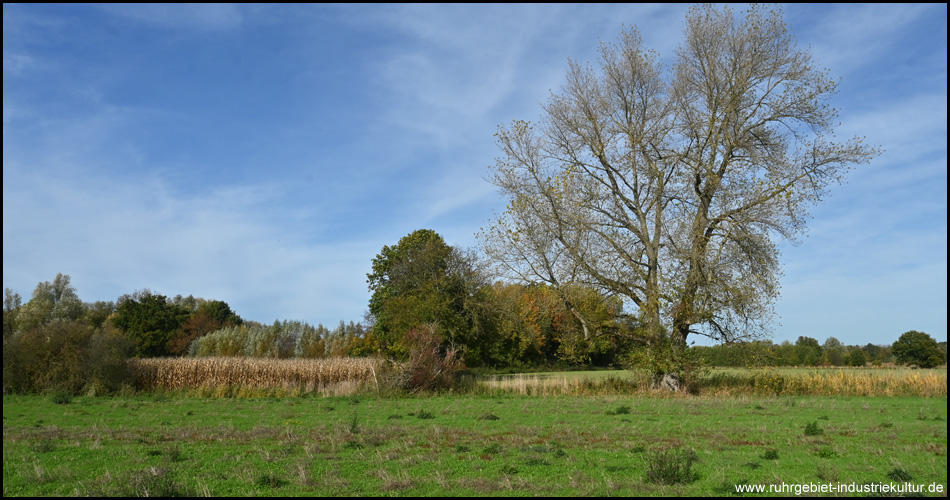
{"x":229,"y":376}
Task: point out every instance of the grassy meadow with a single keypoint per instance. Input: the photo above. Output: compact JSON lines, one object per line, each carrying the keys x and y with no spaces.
{"x":594,"y":438}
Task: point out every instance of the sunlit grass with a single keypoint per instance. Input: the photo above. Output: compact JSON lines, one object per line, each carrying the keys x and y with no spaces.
{"x":446,"y":445}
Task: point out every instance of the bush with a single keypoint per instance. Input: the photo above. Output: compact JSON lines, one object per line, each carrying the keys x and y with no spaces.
{"x":431,"y":366}
{"x":64,"y":357}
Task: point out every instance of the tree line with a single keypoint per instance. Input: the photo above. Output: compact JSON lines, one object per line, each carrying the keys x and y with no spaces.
{"x":912,"y":348}
{"x":55,"y":340}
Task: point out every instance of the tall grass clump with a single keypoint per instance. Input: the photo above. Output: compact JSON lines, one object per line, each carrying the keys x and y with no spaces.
{"x":671,"y":466}
{"x":565,"y":384}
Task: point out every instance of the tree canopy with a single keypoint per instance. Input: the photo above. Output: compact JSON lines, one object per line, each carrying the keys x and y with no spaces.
{"x":667,"y":185}
{"x":421,"y":280}
{"x":918,"y":348}
{"x":148,"y":320}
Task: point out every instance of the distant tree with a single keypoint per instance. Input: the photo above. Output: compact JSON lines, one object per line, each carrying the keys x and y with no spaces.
{"x":918,"y":348}
{"x":189,"y":303}
{"x":11,"y":308}
{"x":56,"y":301}
{"x":784,"y":354}
{"x":856,"y":357}
{"x":276,"y":341}
{"x":208,"y":317}
{"x":96,"y":313}
{"x":872,"y":351}
{"x":807,"y":351}
{"x":228,"y":341}
{"x":833,"y":351}
{"x":148,"y":320}
{"x":312,"y":342}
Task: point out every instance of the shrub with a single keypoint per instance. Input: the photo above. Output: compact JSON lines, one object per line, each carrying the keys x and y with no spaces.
{"x":812,"y":429}
{"x":61,"y":398}
{"x":431,"y":366}
{"x":621,"y":410}
{"x":899,"y":475}
{"x":63,"y":357}
{"x":768,"y":383}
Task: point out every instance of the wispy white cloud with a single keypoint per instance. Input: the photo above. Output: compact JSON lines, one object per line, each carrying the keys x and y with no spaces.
{"x":205,"y":16}
{"x":114,"y":237}
{"x":846,"y":37}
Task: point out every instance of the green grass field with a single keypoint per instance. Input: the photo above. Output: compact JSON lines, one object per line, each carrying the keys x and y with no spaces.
{"x":466,"y":445}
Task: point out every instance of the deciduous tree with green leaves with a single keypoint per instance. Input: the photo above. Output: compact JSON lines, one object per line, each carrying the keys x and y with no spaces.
{"x":148,"y":320}
{"x":419,"y":281}
{"x":56,"y":301}
{"x":918,"y":348}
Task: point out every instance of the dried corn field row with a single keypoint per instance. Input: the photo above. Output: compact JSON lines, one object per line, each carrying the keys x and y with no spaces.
{"x":734,"y":383}
{"x":311,"y":374}
{"x":844,"y":383}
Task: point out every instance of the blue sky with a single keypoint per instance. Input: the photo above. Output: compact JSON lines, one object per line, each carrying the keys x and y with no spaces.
{"x":263,"y":155}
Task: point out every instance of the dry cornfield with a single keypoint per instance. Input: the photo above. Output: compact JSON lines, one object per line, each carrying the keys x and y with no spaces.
{"x":864,"y":383}
{"x":777,"y":381}
{"x":308,"y":375}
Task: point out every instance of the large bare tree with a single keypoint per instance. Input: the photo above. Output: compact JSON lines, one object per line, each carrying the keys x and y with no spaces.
{"x":669,"y":185}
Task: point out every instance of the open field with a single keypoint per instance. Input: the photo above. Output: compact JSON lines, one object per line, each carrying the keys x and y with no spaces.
{"x":466,"y":445}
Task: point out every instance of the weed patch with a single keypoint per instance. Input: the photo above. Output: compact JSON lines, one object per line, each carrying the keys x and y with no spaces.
{"x":671,"y":466}
{"x":269,"y":481}
{"x":899,"y":475}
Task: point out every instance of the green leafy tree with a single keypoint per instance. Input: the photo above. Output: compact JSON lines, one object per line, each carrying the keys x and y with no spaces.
{"x":807,"y":351}
{"x":833,"y":351}
{"x":312,"y":342}
{"x":784,"y":354}
{"x":148,"y":320}
{"x":918,"y":348}
{"x":209,"y":316}
{"x":856,"y":357}
{"x":96,"y":313}
{"x":419,"y":281}
{"x":56,"y":301}
{"x":11,"y":308}
{"x":667,"y":185}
